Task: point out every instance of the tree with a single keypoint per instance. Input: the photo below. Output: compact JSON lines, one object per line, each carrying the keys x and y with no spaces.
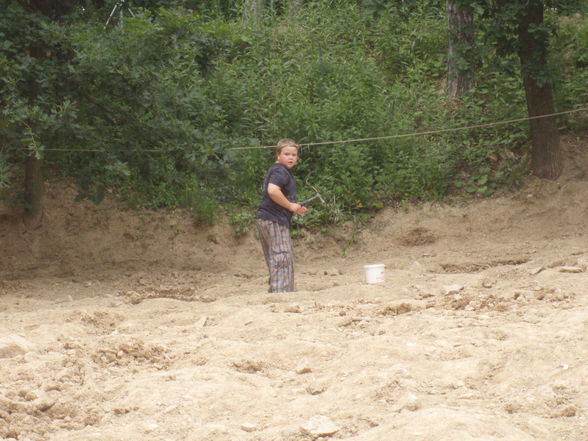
{"x":518,"y":27}
{"x":38,"y":50}
{"x":460,"y":71}
{"x":546,"y":158}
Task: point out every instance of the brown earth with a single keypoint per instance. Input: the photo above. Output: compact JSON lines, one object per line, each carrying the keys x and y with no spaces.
{"x":125,"y":325}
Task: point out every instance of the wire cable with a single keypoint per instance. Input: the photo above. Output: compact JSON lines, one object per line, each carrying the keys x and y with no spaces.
{"x":358,"y":140}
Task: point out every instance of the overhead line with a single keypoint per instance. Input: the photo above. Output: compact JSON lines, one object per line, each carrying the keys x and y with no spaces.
{"x":428,"y":132}
{"x":357,"y":140}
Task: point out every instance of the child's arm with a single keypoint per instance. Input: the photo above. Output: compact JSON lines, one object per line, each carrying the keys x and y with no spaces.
{"x":275,"y":193}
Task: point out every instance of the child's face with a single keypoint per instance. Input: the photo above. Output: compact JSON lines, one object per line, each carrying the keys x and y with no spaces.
{"x":288,"y":157}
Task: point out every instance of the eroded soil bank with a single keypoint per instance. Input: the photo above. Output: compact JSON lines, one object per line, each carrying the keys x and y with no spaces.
{"x":117,"y":325}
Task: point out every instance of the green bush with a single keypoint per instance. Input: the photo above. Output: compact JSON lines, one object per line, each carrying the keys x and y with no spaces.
{"x":159,"y":102}
{"x":570,"y":56}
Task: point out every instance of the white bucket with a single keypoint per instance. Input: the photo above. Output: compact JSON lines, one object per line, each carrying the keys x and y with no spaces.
{"x":374,"y":273}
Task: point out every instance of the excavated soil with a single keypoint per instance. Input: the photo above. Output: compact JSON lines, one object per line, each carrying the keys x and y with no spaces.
{"x":124,"y":325}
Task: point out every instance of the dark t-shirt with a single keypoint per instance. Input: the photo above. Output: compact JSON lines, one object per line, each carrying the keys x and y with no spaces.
{"x":279,"y":175}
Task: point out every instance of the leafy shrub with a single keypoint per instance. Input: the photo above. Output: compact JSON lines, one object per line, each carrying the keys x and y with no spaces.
{"x":570,"y":55}
{"x":159,"y":102}
{"x":241,"y":221}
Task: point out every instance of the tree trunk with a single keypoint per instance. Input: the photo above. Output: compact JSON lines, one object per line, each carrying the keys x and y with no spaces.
{"x":33,"y":192}
{"x":460,"y":72}
{"x":546,"y":156}
{"x":54,"y":10}
{"x":33,"y":185}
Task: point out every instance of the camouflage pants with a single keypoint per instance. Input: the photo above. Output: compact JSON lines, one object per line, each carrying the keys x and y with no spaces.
{"x":279,"y":255}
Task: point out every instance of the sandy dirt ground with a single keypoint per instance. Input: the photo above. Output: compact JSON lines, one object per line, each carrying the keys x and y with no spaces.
{"x":122,"y":325}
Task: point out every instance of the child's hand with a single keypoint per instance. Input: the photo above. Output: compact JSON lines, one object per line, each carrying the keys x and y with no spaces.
{"x":297,"y":208}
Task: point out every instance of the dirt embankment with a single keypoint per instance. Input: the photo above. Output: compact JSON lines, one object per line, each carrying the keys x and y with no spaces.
{"x":142,"y":326}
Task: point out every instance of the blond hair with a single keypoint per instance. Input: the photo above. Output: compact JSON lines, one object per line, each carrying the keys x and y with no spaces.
{"x":286,"y":142}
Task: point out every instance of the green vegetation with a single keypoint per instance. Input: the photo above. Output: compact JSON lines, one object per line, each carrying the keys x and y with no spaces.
{"x":158,"y":101}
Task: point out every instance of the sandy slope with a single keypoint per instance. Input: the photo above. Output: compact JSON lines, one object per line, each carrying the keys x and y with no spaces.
{"x":123,"y":326}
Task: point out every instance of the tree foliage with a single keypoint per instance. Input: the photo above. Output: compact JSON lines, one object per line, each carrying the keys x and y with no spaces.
{"x":152,"y":106}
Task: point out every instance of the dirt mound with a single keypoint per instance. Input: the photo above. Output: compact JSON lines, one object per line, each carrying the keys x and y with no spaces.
{"x":143,"y":323}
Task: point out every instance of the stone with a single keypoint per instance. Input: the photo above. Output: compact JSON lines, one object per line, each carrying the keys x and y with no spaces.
{"x":303,"y":368}
{"x":488,"y":283}
{"x":295,"y":309}
{"x":316,"y":388}
{"x":201,"y":322}
{"x":248,"y":427}
{"x":452,"y":289}
{"x":151,"y":427}
{"x":14,"y":345}
{"x":408,"y":402}
{"x":319,"y":425}
{"x":535,"y":271}
{"x":570,"y":269}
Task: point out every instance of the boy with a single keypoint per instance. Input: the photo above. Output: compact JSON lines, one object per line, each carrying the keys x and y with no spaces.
{"x":277,"y":206}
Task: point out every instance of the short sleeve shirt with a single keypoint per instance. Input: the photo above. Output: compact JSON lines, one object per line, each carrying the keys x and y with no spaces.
{"x":279,"y":175}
